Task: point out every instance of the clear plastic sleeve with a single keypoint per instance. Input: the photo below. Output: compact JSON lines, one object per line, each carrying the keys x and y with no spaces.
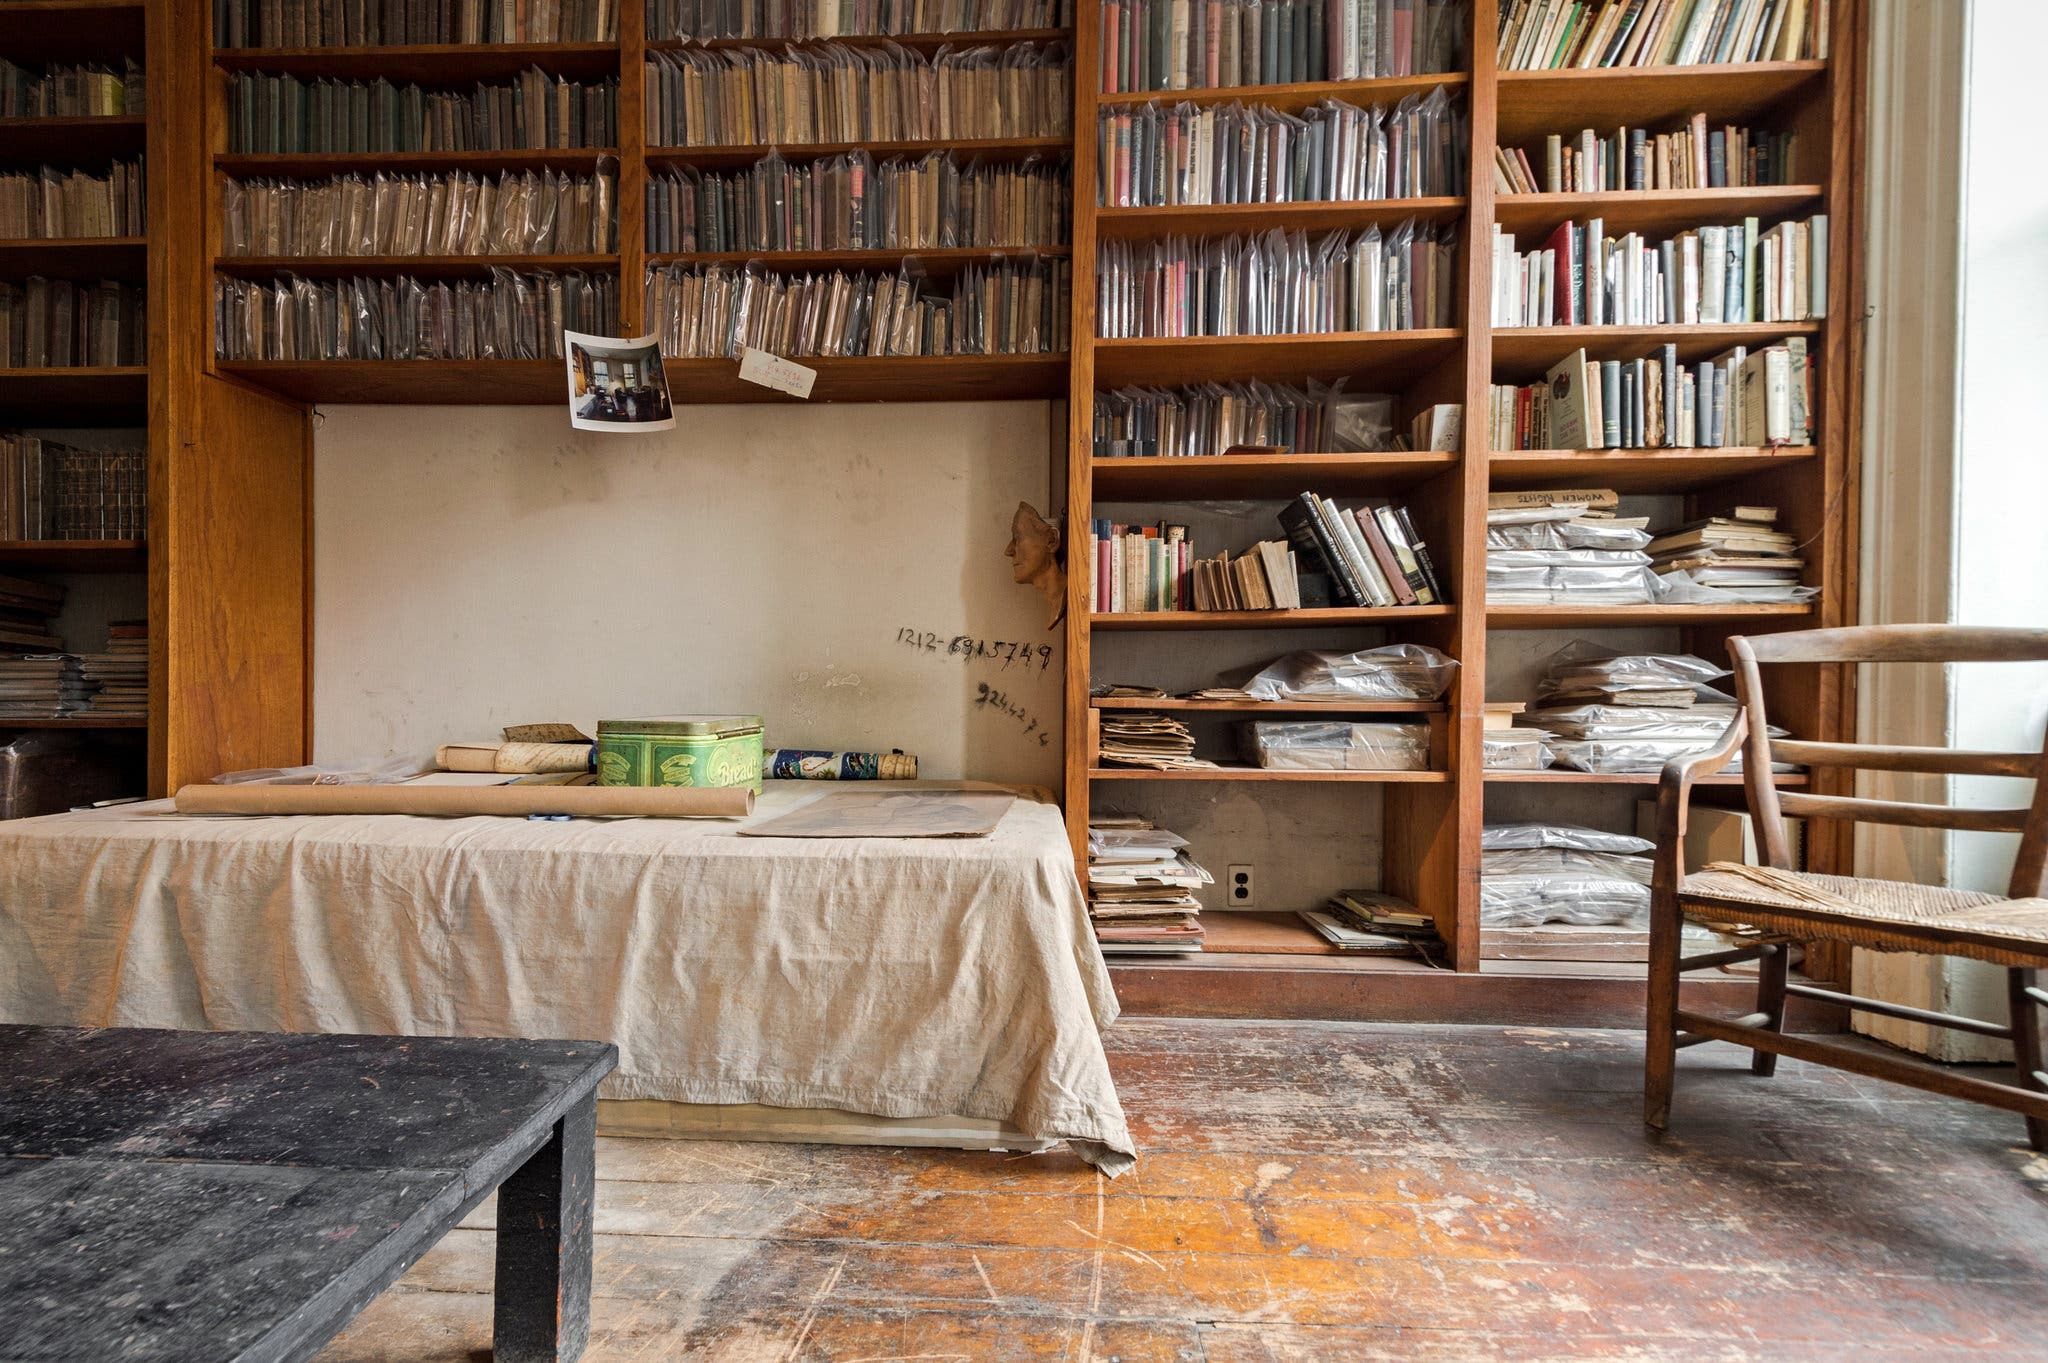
{"x":1335,"y":746}
{"x":1392,"y":672}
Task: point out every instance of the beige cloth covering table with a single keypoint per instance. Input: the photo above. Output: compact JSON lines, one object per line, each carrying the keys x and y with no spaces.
{"x":898,"y":977}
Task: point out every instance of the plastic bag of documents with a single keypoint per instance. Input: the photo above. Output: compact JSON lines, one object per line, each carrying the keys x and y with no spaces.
{"x":1515,"y":750}
{"x":1566,"y":534}
{"x":1631,"y":756}
{"x":1582,"y":667}
{"x":1529,"y":886}
{"x":1502,"y":837}
{"x":1393,"y":672}
{"x":1580,"y":577}
{"x":1698,"y":723}
{"x":1335,"y":746}
{"x":1684,"y":588}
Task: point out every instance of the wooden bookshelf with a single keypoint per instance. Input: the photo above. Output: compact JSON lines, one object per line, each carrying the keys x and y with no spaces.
{"x":70,"y":30}
{"x":73,"y":556}
{"x":1292,"y":98}
{"x":69,"y":141}
{"x":448,"y":65}
{"x":730,"y":155}
{"x":1427,"y":836}
{"x":122,"y":722}
{"x":121,"y":258}
{"x":435,"y":267}
{"x":318,"y":165}
{"x":915,"y":42}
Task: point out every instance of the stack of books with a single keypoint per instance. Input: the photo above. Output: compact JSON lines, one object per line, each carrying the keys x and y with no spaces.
{"x":1376,"y":923}
{"x":439,"y":213}
{"x":1141,"y":567}
{"x":1739,"y":398}
{"x":1557,"y":35}
{"x":1141,"y":887}
{"x":1692,"y":157}
{"x":27,"y":612}
{"x":510,"y":316}
{"x":58,"y":324}
{"x":1742,"y":553}
{"x":1373,"y":554}
{"x":60,"y":91}
{"x":281,"y":113}
{"x":319,"y":23}
{"x":1183,"y":44}
{"x":40,"y":686}
{"x":1581,"y":277}
{"x":72,"y":203}
{"x":118,"y":679}
{"x":846,"y":18}
{"x":1140,"y":738}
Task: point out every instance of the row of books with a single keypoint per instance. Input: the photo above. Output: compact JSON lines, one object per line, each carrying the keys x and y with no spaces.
{"x":28,"y":622}
{"x":63,"y":324}
{"x":1141,"y":887}
{"x":53,"y":491}
{"x":392,"y":23}
{"x":1013,"y":307}
{"x":1743,"y":397}
{"x":1154,"y":154}
{"x":1209,"y":419}
{"x":72,"y":203}
{"x":1694,"y":156}
{"x":509,"y":316}
{"x":715,"y":19}
{"x":851,"y":202}
{"x":437,"y":213}
{"x":1278,"y":283}
{"x":1554,"y":35}
{"x":1372,"y":555}
{"x":269,"y":114}
{"x":754,"y":96}
{"x":1191,"y":44}
{"x":1710,"y":275}
{"x":63,"y":91}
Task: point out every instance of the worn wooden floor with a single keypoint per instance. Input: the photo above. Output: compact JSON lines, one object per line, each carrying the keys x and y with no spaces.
{"x":1327,"y":1191}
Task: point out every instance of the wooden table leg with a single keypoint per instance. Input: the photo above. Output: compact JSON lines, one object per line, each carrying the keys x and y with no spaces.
{"x":542,"y":1312}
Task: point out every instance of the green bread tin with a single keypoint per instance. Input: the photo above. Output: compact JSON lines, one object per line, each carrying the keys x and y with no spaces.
{"x":680,"y":750}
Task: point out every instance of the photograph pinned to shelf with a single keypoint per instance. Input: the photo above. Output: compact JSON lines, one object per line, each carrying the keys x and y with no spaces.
{"x":616,"y":383}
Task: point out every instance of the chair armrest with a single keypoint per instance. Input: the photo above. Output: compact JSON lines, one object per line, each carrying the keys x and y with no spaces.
{"x":1674,"y":799}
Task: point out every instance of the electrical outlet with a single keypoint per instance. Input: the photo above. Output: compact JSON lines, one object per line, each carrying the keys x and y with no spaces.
{"x":1240,"y":888}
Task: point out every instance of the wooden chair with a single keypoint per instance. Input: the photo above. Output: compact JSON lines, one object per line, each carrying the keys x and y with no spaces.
{"x":1776,"y":906}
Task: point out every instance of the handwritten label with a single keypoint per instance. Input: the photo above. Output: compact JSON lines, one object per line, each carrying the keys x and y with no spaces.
{"x":1003,"y":652}
{"x":772,"y":371}
{"x":988,"y":698}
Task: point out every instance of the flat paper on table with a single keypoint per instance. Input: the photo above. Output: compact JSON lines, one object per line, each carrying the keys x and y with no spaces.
{"x":772,"y":371}
{"x":891,"y":814}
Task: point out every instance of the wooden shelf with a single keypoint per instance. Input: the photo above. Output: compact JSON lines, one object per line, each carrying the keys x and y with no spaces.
{"x":1391,"y":358}
{"x":923,"y":378}
{"x":321,"y":164}
{"x":98,"y":396}
{"x":1183,"y":478}
{"x":1322,"y":617}
{"x":1656,"y":212}
{"x":988,"y":149}
{"x":1294,"y":97}
{"x":447,"y":65}
{"x":1274,"y":707}
{"x":935,"y":260}
{"x":1529,"y":351}
{"x":1660,"y":470}
{"x":1122,"y":224}
{"x":74,"y":257}
{"x":1264,"y":774}
{"x":69,"y":141}
{"x":70,"y":30}
{"x":75,"y":556}
{"x":1616,"y":617}
{"x":1533,"y":103}
{"x":341,"y":267}
{"x":916,"y":42}
{"x":1554,"y":777}
{"x":76,"y":722}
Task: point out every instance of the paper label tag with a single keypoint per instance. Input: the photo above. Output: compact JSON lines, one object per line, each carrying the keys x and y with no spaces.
{"x":772,"y":371}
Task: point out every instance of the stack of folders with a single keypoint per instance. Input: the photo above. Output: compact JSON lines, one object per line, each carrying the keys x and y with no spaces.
{"x":1742,"y":553}
{"x":445,"y":213}
{"x":853,"y":203}
{"x":281,"y":113}
{"x":389,"y":23}
{"x":1010,"y":307}
{"x":118,"y":679}
{"x":510,"y":316}
{"x":758,"y":96}
{"x":1375,"y":923}
{"x":1566,"y":546}
{"x":1580,"y":276}
{"x":1141,"y":887}
{"x":1278,"y":283}
{"x":1555,"y":35}
{"x":1371,"y":555}
{"x":72,"y":203}
{"x":709,"y":19}
{"x":1692,"y":156}
{"x":1155,"y":155}
{"x":1188,"y":44}
{"x":60,"y":91}
{"x":56,"y":324}
{"x":1149,"y":739}
{"x":50,"y":490}
{"x":1739,"y":398}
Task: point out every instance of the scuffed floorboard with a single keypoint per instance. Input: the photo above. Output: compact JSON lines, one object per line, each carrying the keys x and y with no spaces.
{"x":1325,"y":1191}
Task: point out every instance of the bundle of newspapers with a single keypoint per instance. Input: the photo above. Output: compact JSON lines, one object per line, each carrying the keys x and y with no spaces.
{"x":1141,"y":887}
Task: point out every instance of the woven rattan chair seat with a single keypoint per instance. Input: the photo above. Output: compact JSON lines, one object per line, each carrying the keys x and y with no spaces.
{"x":1882,"y":915}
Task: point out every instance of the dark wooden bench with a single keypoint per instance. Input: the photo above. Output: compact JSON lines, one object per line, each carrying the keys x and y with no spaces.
{"x":241,"y":1196}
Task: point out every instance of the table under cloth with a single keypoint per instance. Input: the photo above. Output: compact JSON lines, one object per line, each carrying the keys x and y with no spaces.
{"x":898,"y":977}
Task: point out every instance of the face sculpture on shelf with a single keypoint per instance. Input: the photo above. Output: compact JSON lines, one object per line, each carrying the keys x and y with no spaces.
{"x":1034,"y":553}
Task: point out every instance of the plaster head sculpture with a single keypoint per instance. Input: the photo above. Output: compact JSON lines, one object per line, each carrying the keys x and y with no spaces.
{"x":1034,"y":553}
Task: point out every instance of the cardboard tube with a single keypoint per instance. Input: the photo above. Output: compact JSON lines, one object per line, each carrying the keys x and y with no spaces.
{"x":513,"y":758}
{"x":645,"y":802}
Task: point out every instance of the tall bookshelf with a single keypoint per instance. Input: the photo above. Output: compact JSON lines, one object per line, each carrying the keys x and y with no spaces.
{"x":95,"y":407}
{"x":1427,"y":825}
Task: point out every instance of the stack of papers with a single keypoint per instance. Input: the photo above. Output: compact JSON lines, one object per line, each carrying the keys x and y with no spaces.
{"x":120,"y":675}
{"x":1142,"y":738}
{"x":40,"y":686}
{"x":1742,"y":553}
{"x":1141,"y":885}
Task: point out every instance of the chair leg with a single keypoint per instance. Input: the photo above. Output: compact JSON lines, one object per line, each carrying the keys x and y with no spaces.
{"x":1770,"y":1001}
{"x":2027,"y":1044}
{"x":1660,"y":1020}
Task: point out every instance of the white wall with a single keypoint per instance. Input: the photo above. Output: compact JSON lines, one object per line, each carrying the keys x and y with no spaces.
{"x":476,"y":567}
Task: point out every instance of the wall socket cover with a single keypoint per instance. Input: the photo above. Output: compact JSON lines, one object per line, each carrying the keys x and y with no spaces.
{"x":1239,"y":887}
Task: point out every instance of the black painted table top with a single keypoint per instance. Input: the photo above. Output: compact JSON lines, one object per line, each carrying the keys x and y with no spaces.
{"x":199,"y":1196}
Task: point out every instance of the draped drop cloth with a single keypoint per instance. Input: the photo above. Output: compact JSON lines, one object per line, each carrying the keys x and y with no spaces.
{"x":893,"y":976}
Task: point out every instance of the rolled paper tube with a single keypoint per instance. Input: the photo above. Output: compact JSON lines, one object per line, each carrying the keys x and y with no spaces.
{"x":804,"y":764}
{"x":513,"y":758}
{"x":630,"y":802}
